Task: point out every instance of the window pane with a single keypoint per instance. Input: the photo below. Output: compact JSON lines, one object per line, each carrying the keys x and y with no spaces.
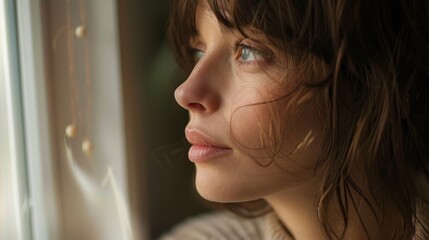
{"x":14,"y":200}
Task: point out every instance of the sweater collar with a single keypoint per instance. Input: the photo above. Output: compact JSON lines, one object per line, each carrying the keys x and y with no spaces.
{"x":275,"y":229}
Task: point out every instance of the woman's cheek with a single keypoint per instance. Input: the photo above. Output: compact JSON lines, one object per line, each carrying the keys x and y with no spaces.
{"x":255,"y":132}
{"x":275,"y":131}
{"x":249,"y":119}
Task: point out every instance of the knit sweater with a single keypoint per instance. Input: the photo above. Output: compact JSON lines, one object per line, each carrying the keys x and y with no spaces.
{"x":227,"y":226}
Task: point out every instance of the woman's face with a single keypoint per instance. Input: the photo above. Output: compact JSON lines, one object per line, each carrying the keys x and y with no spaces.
{"x":249,"y":139}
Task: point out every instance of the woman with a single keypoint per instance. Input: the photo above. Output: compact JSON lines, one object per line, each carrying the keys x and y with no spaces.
{"x":313,"y":111}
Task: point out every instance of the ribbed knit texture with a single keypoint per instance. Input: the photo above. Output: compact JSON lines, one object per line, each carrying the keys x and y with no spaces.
{"x":227,"y":226}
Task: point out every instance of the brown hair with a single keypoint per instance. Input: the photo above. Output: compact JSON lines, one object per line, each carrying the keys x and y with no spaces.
{"x":379,"y":51}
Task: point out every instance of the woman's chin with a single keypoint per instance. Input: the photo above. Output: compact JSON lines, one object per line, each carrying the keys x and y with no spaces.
{"x":221,"y":198}
{"x":222,"y":194}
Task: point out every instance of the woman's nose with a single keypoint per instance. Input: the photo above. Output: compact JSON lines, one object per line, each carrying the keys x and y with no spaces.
{"x":201,"y":91}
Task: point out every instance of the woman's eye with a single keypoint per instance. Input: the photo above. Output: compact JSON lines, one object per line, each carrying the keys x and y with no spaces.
{"x":198,"y":54}
{"x":246,"y":54}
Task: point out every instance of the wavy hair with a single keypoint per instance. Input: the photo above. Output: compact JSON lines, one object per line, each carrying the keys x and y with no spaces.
{"x":379,"y":52}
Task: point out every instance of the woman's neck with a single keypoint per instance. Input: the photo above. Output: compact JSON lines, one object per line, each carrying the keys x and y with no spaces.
{"x":297,"y":209}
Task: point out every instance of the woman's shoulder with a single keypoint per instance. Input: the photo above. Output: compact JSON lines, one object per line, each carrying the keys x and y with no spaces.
{"x":218,"y":225}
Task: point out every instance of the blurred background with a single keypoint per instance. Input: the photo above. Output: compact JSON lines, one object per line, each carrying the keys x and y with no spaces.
{"x":91,"y":140}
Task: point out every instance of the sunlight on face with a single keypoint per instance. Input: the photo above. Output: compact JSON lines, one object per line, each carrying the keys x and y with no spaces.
{"x":248,"y":140}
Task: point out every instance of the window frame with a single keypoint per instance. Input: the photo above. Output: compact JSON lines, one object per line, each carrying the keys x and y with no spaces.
{"x":42,"y":177}
{"x":15,"y":208}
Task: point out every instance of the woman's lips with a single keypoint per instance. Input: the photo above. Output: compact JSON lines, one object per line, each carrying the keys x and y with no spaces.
{"x":203,"y":148}
{"x":201,"y":153}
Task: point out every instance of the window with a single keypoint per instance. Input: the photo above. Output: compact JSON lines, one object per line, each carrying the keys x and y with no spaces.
{"x":49,"y":187}
{"x":14,"y":204}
